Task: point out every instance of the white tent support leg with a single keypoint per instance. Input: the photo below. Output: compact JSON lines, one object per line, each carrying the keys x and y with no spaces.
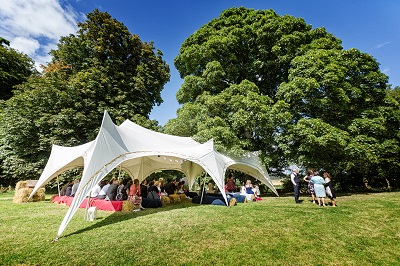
{"x":58,"y":187}
{"x":119,"y":172}
{"x":141,"y":168}
{"x":86,"y":217}
{"x":202,"y":188}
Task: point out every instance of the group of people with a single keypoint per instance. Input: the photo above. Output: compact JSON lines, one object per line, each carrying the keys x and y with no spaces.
{"x":319,"y":187}
{"x":136,"y":192}
{"x":70,"y":188}
{"x":252,"y":192}
{"x":142,"y":193}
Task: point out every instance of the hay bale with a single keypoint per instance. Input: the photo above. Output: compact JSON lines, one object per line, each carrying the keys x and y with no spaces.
{"x":174,"y":198}
{"x":165,"y":200}
{"x":182,"y":196}
{"x":40,"y":195}
{"x":20,"y":184}
{"x":127,"y":206}
{"x":22,"y":193}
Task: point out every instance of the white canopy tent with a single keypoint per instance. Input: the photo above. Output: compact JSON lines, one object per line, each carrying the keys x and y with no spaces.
{"x":141,"y":152}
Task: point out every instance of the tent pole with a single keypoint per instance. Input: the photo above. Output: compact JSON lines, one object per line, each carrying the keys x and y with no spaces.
{"x":58,"y":186}
{"x":119,"y":172}
{"x":202,"y":188}
{"x":86,"y":217}
{"x":141,"y":168}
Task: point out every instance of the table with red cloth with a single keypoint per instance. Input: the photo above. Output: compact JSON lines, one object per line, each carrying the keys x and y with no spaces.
{"x":101,"y":204}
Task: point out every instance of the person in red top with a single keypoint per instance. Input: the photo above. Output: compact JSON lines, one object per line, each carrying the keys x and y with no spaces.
{"x":134,"y":194}
{"x":230,"y":184}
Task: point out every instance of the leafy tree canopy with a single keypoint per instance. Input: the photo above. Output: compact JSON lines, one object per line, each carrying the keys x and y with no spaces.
{"x":15,"y":68}
{"x":101,"y":67}
{"x":254,"y":80}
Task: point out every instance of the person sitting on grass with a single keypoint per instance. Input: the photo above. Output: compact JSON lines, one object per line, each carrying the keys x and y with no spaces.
{"x":210,"y":187}
{"x":247,"y":190}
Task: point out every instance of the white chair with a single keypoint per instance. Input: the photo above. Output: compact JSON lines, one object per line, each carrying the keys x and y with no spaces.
{"x":92,"y":213}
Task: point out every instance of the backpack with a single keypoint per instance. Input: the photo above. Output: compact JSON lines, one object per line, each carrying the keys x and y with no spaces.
{"x":153,"y":195}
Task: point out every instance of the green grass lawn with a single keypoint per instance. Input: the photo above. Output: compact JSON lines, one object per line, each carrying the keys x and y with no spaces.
{"x":363,"y":230}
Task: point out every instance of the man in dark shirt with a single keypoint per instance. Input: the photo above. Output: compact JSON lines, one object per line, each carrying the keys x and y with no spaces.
{"x":294,"y":178}
{"x":143,"y":189}
{"x":112,"y":190}
{"x":170,"y":187}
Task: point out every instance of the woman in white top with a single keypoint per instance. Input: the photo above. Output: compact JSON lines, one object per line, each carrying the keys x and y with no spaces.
{"x":247,"y":190}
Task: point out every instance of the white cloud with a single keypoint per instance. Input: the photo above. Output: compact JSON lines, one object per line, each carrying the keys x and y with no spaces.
{"x":35,"y":26}
{"x":382,"y":44}
{"x":27,"y":45}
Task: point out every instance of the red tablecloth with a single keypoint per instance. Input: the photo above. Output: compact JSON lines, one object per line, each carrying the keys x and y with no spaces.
{"x":104,"y":205}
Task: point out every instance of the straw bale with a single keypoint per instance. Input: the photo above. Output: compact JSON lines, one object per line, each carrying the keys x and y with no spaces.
{"x":186,"y":199}
{"x":20,"y":184}
{"x":174,"y":198}
{"x":182,"y":196}
{"x":22,"y":193}
{"x":128,"y":206}
{"x":40,"y":195}
{"x":165,"y":200}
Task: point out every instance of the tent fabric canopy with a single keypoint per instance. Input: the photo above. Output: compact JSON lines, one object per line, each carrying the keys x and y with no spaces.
{"x":141,"y":152}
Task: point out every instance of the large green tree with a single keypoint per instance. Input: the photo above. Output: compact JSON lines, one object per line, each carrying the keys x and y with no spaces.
{"x":15,"y":68}
{"x":111,"y":66}
{"x":254,"y":80}
{"x":101,"y":67}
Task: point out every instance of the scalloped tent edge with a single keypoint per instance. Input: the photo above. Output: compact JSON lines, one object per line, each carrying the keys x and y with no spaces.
{"x":140,"y":152}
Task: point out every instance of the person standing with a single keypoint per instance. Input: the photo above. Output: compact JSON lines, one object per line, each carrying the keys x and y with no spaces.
{"x":319,"y":188}
{"x":330,"y":192}
{"x":310,"y":186}
{"x":294,"y":178}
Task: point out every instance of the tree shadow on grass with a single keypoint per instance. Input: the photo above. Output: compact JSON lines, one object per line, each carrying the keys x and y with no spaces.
{"x":123,"y":216}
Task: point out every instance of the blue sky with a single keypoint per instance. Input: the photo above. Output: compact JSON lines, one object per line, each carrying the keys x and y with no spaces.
{"x":34,"y":27}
